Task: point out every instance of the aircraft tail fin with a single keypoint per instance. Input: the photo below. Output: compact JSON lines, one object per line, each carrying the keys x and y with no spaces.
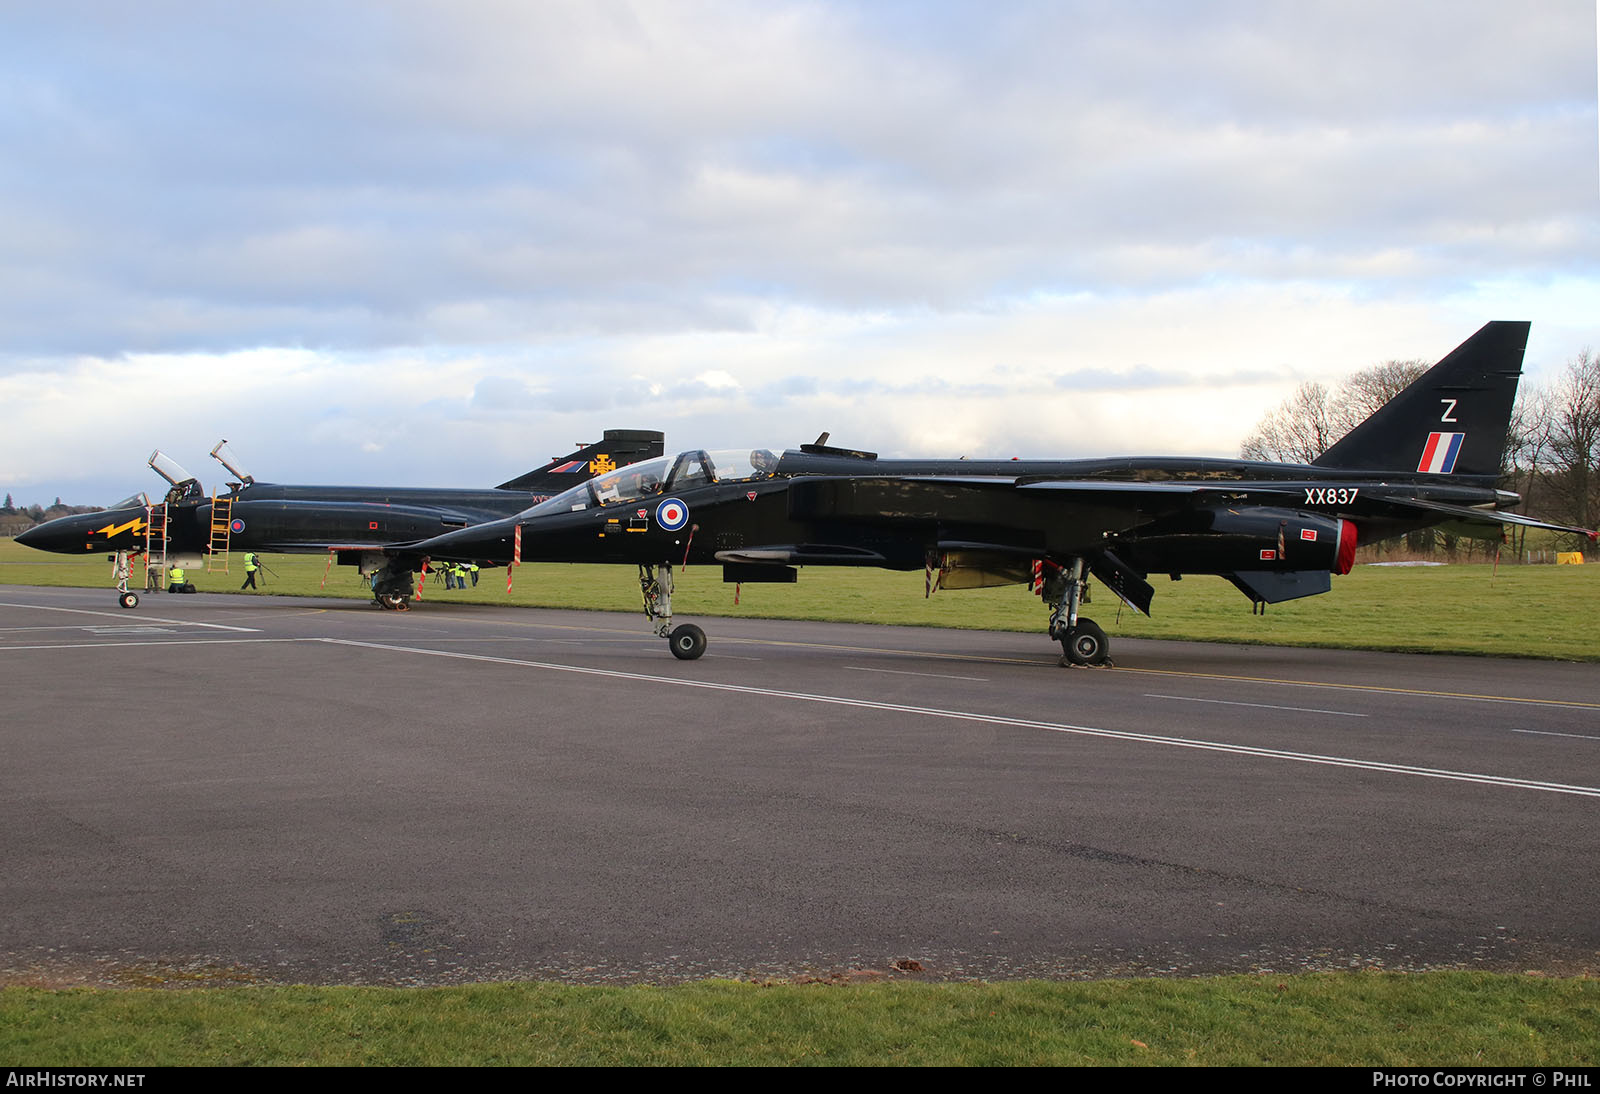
{"x":1452,"y":420}
{"x":616,"y":448}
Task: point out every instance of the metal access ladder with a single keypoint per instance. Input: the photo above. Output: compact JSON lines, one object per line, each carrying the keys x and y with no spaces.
{"x":155,"y":546}
{"x":221,"y":531}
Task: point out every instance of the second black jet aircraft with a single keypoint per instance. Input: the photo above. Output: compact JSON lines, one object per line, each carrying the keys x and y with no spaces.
{"x":356,"y":523}
{"x":1429,"y":457}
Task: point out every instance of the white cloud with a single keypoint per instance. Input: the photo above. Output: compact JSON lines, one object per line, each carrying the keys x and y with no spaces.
{"x":418,"y":241}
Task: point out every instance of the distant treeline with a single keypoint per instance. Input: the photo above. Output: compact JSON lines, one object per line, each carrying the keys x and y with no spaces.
{"x":15,"y":519}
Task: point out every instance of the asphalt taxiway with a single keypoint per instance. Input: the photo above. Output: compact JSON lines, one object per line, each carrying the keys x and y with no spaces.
{"x":281,"y":789}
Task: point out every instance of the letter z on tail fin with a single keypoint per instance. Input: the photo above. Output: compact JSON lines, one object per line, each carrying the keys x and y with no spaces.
{"x":1452,"y":420}
{"x":619,"y":447}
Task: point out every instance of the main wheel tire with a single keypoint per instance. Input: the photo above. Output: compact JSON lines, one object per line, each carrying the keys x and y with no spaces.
{"x":687,"y":642}
{"x":129,"y":600}
{"x":1086,"y":644}
{"x":389,"y":602}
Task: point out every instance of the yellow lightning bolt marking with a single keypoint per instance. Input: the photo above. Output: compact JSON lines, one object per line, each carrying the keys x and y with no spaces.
{"x":601,"y":464}
{"x":136,"y":525}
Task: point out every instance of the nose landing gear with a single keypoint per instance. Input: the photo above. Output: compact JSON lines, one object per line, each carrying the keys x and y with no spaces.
{"x":686,"y":642}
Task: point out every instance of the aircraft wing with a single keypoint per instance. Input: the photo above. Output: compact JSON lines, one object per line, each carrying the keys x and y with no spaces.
{"x":1090,"y":509}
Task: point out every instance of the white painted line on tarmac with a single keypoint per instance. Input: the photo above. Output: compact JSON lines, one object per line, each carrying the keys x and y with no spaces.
{"x":1552,"y":733}
{"x":930,"y":675}
{"x":125,"y":617}
{"x":132,"y":630}
{"x":1481,"y":779}
{"x":161,"y":643}
{"x":1262,"y":706}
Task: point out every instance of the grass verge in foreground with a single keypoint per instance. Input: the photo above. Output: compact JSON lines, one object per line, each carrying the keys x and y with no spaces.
{"x":1390,"y":1019}
{"x":1517,"y":611}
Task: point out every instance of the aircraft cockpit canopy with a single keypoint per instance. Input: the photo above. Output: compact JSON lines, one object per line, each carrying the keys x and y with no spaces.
{"x":660,"y":476}
{"x":132,"y":501}
{"x":169,"y":468}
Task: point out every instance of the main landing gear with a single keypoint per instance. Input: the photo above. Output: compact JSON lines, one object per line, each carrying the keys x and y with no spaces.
{"x":687,"y":642}
{"x":393,"y":588}
{"x":1082,"y":640}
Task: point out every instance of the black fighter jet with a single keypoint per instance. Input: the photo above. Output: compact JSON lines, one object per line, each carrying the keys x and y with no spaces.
{"x":354,"y":522}
{"x":1429,"y":457}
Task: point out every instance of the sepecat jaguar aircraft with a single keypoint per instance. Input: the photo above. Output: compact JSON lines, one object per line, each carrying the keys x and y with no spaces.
{"x":1431,"y":456}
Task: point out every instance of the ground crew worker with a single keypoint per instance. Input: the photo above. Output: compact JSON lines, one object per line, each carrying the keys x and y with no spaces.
{"x":175,"y":579}
{"x":252,"y":563}
{"x":472,"y":568}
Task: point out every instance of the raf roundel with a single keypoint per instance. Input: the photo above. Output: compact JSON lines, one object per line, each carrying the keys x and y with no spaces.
{"x":672,"y":514}
{"x":237,"y":526}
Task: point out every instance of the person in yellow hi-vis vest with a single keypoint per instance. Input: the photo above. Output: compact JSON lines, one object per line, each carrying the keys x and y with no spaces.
{"x":176,"y":579}
{"x":252,"y":563}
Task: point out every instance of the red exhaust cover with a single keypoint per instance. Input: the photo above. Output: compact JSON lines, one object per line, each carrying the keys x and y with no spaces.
{"x":1347,"y":547}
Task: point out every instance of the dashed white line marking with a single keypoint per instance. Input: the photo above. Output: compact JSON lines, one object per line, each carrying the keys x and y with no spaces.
{"x":132,"y":631}
{"x":929,"y":675}
{"x":1263,"y":706}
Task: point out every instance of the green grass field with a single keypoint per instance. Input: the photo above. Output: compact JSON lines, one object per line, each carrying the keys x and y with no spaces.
{"x":1372,"y":1019}
{"x":1512,"y":611}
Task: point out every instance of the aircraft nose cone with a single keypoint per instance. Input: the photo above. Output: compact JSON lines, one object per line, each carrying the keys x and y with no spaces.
{"x":64,"y":535}
{"x":51,"y":536}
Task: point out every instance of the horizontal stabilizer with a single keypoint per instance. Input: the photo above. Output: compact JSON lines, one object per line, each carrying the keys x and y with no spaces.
{"x":1491,"y":520}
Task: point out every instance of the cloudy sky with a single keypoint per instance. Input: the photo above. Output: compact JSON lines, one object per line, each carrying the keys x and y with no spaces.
{"x":437,"y":243}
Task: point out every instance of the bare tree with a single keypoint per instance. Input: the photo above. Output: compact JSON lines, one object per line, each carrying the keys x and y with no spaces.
{"x":1574,"y":441}
{"x":1298,"y":431}
{"x":1365,"y":391}
{"x":1312,"y":419}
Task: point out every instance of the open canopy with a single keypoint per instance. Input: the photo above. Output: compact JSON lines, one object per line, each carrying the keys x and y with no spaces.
{"x":664,"y":475}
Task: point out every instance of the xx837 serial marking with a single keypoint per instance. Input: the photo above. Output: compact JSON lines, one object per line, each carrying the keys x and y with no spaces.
{"x":1331,"y":495}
